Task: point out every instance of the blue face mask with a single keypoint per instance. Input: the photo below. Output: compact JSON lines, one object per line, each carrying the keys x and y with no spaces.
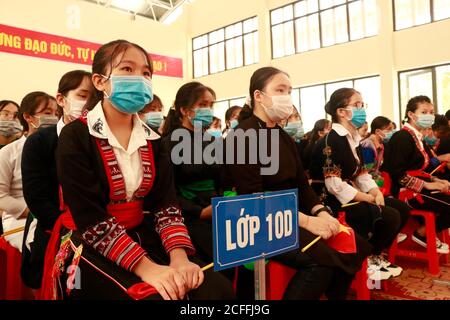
{"x":295,"y":129}
{"x":425,"y":121}
{"x":388,"y":136}
{"x":431,"y":141}
{"x":359,"y":117}
{"x":130,"y":94}
{"x":216,"y":133}
{"x":203,"y":117}
{"x":154,"y":119}
{"x":233,"y":123}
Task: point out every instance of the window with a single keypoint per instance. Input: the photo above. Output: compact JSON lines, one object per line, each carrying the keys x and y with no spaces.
{"x":221,"y":106}
{"x":227,"y":48}
{"x":410,"y":13}
{"x":313,"y":98}
{"x":311,"y":24}
{"x":433,"y":82}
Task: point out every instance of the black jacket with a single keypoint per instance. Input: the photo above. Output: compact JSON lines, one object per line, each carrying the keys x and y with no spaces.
{"x":247,"y":178}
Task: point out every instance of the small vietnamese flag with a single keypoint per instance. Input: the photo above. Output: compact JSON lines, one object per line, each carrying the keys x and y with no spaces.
{"x":344,"y":241}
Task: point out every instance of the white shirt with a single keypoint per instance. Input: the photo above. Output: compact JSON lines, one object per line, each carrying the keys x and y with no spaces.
{"x":60,"y":125}
{"x":343,"y":191}
{"x":11,"y":194}
{"x":129,"y":160}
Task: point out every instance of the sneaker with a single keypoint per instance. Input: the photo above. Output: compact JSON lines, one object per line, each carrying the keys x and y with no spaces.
{"x":375,"y":270}
{"x":392,"y":268}
{"x":401,"y":237}
{"x":440,"y":247}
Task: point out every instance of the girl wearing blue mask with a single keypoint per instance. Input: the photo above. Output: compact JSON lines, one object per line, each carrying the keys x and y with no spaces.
{"x":112,"y":168}
{"x":196,"y":182}
{"x":340,"y":177}
{"x":372,"y":147}
{"x":409,"y":160}
{"x":231,"y":119}
{"x":215,"y":129}
{"x":34,"y":106}
{"x":152,"y":114}
{"x":39,"y":177}
{"x":10,"y":128}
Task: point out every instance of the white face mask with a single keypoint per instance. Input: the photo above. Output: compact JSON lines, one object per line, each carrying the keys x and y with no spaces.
{"x":282,"y":107}
{"x":75,"y":108}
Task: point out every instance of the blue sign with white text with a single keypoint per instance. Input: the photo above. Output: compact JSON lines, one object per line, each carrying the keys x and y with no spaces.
{"x":251,"y":227}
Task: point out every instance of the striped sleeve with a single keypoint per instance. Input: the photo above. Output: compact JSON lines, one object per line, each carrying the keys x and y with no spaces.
{"x":412,"y":183}
{"x":109,"y":238}
{"x":169,"y":224}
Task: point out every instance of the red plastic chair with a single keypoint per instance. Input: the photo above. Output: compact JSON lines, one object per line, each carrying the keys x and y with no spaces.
{"x":431,"y":254}
{"x":11,"y":286}
{"x":279,"y":275}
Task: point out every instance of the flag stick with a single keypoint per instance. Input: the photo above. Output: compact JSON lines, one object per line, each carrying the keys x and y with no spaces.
{"x":13,"y":231}
{"x":311,"y":243}
{"x":350,"y":204}
{"x":209,"y":266}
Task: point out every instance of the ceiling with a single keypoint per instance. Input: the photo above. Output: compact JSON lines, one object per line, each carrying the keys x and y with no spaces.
{"x":157,"y":10}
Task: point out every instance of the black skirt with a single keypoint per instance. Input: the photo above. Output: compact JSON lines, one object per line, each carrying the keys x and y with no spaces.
{"x":101,"y":278}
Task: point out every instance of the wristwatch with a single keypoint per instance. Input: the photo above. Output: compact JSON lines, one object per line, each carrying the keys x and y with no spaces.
{"x":322,"y":209}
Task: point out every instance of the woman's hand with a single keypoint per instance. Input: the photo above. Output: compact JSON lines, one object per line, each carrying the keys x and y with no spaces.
{"x":364,"y":197}
{"x":333,"y":222}
{"x":191,"y":272}
{"x":319,"y":226}
{"x":378,"y":196}
{"x":166,"y":280}
{"x":436,"y":186}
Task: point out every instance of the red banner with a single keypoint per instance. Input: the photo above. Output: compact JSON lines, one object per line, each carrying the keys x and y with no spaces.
{"x":48,"y":46}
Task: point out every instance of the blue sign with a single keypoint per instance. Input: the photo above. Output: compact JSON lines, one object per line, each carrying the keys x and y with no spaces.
{"x":251,"y":227}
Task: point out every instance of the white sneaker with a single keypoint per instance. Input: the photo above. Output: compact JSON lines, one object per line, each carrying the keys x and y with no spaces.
{"x":375,"y":270}
{"x":440,"y":246}
{"x":392,"y":268}
{"x":401,"y":237}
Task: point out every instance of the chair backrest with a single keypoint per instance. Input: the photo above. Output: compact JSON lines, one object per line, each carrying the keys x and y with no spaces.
{"x":386,"y":189}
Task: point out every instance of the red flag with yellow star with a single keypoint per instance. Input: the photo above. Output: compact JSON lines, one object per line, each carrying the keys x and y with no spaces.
{"x":344,"y":241}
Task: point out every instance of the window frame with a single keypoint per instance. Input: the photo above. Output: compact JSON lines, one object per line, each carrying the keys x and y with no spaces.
{"x":254,"y":32}
{"x":318,"y":13}
{"x":434,"y":98}
{"x":432,"y":17}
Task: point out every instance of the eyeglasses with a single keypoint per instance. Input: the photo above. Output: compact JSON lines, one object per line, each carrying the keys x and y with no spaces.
{"x":359,"y":105}
{"x":9,"y":114}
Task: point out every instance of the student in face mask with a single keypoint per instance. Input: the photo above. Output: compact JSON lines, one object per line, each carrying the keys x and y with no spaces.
{"x":152,"y":114}
{"x":321,"y":270}
{"x":112,"y":167}
{"x":408,"y":160}
{"x":39,"y":177}
{"x":215,"y":129}
{"x":33,"y":106}
{"x":231,"y":119}
{"x":294,"y":126}
{"x":196,"y":183}
{"x":372,"y":149}
{"x":10,"y":127}
{"x":339,"y":176}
